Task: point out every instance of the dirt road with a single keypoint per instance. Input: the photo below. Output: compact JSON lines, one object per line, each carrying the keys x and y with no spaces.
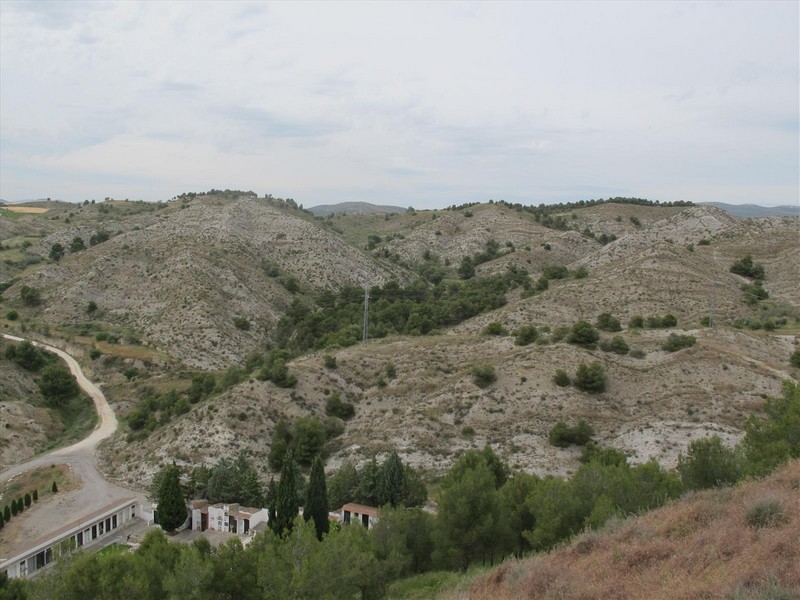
{"x":95,"y":493}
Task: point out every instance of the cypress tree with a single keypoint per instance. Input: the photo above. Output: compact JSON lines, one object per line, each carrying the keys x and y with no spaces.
{"x":316,"y":505}
{"x":27,"y":500}
{"x":35,"y":495}
{"x":287,"y":504}
{"x":7,"y":513}
{"x":14,"y":508}
{"x":171,"y":504}
{"x":391,"y":480}
{"x":272,"y":502}
{"x":54,"y":488}
{"x":2,"y":521}
{"x":20,"y":505}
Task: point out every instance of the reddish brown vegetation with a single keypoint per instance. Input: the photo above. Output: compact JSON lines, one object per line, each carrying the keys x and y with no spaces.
{"x":700,"y":547}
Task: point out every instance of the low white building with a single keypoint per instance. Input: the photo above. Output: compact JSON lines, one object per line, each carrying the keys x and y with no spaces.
{"x":43,"y":551}
{"x":231,"y":518}
{"x":358,"y":513}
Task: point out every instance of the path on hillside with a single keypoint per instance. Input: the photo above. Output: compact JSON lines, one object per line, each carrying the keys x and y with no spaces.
{"x":95,"y":493}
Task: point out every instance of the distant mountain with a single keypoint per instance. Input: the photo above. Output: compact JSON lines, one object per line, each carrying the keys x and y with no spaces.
{"x":353,"y":208}
{"x":754,"y":210}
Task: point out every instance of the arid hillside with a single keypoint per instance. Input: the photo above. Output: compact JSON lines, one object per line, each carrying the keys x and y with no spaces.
{"x":200,"y":283}
{"x":178,"y":277}
{"x":738,"y":543}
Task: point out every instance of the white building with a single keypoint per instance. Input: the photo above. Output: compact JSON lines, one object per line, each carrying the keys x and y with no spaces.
{"x":358,"y":513}
{"x":225,"y":517}
{"x":43,"y":551}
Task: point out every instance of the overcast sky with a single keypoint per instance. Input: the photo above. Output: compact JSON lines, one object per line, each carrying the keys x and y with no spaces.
{"x":423,"y":104}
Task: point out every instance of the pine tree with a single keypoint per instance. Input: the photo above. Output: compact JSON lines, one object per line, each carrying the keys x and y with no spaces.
{"x":287,"y":503}
{"x":316,"y":505}
{"x":171,"y":505}
{"x":251,"y":493}
{"x":390,"y":480}
{"x":54,"y":488}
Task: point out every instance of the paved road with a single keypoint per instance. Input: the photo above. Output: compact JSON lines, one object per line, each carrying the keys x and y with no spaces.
{"x":96,"y":491}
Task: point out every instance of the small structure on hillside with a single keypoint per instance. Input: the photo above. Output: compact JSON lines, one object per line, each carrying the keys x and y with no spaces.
{"x":358,"y":513}
{"x":230,"y":518}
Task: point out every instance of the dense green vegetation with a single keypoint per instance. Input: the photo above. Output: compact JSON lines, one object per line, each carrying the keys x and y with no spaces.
{"x":417,"y":309}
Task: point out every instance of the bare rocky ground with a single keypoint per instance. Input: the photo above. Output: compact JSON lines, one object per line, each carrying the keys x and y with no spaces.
{"x":432,"y":410}
{"x":177,"y":276}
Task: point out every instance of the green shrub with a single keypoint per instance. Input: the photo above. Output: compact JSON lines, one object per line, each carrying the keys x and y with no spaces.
{"x":91,"y":307}
{"x":747,"y":268}
{"x":636,"y":322}
{"x":563,"y":436}
{"x":241,"y":323}
{"x":606,"y":322}
{"x":30,"y":296}
{"x":794,"y":359}
{"x":669,"y":320}
{"x":58,"y":385}
{"x":391,"y":371}
{"x":12,"y":315}
{"x":580,"y":273}
{"x":583,"y":334}
{"x":677,"y":342}
{"x":638,"y":353}
{"x":336,"y":407}
{"x":709,"y":463}
{"x":753,"y":292}
{"x":561,"y":379}
{"x":767,"y":512}
{"x":617,"y":345}
{"x":591,"y":378}
{"x":329,"y":361}
{"x":704,"y":242}
{"x":495,"y":328}
{"x":525,"y":335}
{"x":555,"y":272}
{"x":483,"y":375}
{"x":95,"y":353}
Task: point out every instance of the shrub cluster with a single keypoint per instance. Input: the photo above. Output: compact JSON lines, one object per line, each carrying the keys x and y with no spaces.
{"x":653,"y":322}
{"x":563,"y":436}
{"x":747,"y":268}
{"x":336,"y":407}
{"x":483,"y":375}
{"x":677,"y":342}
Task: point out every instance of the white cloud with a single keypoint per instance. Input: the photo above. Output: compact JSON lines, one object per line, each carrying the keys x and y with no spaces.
{"x":435,"y":102}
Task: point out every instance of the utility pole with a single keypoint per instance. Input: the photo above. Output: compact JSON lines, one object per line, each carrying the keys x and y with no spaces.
{"x":365,"y":331}
{"x":712,"y":318}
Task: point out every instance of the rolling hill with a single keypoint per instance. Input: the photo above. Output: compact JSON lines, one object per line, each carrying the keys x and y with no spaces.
{"x":201,"y":283}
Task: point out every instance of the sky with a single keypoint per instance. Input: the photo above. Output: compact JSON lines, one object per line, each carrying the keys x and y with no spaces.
{"x":409,"y":104}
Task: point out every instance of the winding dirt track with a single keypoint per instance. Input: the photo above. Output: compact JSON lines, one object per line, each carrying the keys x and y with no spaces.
{"x":96,"y":492}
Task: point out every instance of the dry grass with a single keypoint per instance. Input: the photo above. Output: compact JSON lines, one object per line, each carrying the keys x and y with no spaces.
{"x":26,"y":209}
{"x":700,"y":547}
